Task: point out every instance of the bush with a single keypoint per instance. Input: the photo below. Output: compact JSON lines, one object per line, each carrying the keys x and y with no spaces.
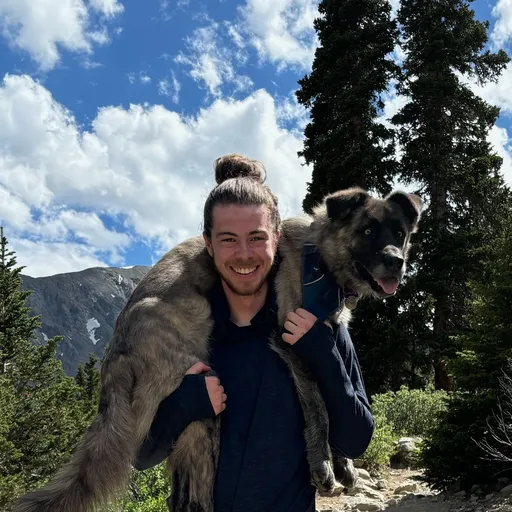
{"x":382,"y":446}
{"x":404,"y":413}
{"x":410,"y":412}
{"x":147,"y":493}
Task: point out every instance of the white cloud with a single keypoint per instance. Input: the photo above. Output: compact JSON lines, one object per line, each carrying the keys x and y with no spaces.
{"x":12,"y":208}
{"x":292,"y":115}
{"x":109,"y":8}
{"x":100,"y":36}
{"x":501,"y":142}
{"x":145,"y":79}
{"x":90,"y":228}
{"x":496,"y":93}
{"x":211,"y":58}
{"x":43,"y":27}
{"x":141,"y":76}
{"x":147,"y":168}
{"x":281,"y":30}
{"x":44,"y":258}
{"x":170,"y":88}
{"x":502,"y":30}
{"x":395,"y":5}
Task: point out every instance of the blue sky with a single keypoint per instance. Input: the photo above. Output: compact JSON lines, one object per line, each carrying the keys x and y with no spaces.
{"x":114,"y":110}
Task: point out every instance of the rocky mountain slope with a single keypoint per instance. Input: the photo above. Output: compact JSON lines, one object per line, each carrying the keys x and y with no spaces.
{"x":82,"y":307}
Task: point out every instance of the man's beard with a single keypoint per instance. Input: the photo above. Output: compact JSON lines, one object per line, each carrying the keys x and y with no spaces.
{"x":240,"y":289}
{"x":245,"y":291}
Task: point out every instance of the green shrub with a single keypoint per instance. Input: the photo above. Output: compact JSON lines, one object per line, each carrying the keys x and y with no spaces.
{"x":404,"y":413}
{"x":382,"y":445}
{"x":410,"y":412}
{"x":147,"y":493}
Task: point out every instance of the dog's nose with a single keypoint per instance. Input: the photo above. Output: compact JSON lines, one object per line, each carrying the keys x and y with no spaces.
{"x":392,"y":262}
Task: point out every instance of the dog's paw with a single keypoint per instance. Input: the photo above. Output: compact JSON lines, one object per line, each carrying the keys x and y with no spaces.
{"x":345,"y":472}
{"x":322,"y":477}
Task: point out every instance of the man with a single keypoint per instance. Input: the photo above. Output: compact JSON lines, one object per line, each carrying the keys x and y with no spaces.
{"x":262,"y":463}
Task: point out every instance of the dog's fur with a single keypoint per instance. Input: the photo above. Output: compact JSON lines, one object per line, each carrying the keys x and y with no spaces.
{"x":164,"y":329}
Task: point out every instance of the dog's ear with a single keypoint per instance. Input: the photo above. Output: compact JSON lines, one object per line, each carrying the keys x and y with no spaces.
{"x":411,"y":205}
{"x":340,"y":204}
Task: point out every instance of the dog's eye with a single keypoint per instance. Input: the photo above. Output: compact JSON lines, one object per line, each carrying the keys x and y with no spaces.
{"x":400,"y":234}
{"x":368,"y":231}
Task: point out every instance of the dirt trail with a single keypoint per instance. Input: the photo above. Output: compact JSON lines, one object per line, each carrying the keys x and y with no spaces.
{"x":400,"y":490}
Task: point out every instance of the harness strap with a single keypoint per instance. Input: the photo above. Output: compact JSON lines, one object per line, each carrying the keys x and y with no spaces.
{"x":322,"y":295}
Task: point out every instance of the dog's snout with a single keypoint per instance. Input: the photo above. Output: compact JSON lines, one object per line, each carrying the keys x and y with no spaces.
{"x":392,"y":262}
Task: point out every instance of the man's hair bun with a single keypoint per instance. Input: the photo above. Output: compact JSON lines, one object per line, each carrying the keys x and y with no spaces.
{"x":238,"y":166}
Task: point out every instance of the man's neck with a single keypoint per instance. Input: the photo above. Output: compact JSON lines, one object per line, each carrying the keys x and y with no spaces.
{"x":243,"y":308}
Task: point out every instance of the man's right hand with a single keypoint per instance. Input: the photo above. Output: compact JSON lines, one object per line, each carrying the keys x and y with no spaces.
{"x":215,"y":390}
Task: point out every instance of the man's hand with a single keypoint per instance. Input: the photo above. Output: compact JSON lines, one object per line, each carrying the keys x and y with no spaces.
{"x":297,"y":323}
{"x":215,"y":390}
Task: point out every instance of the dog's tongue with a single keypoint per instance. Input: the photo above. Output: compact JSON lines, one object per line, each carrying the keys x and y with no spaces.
{"x":389,"y":285}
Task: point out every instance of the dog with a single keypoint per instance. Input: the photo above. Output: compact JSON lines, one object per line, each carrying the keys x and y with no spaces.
{"x":361,"y":242}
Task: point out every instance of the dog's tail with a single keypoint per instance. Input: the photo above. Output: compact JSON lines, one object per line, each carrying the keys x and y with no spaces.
{"x":101,"y":462}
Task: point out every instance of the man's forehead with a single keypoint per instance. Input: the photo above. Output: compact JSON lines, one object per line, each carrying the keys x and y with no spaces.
{"x":240,"y":218}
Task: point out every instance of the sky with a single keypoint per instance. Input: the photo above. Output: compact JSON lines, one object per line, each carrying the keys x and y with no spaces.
{"x":112,"y":113}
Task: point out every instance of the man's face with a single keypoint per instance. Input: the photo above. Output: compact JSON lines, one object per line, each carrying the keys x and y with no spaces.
{"x":243,"y":246}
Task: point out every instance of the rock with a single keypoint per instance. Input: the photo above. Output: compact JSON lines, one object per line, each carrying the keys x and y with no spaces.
{"x":364,"y":475}
{"x":407,"y":448}
{"x":407,"y":488}
{"x":367,"y":506}
{"x":360,"y":489}
{"x":506,"y":491}
{"x":382,"y":484}
{"x":460,"y":494}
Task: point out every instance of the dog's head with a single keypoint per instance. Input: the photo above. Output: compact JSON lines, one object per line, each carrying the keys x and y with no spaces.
{"x":365,"y":240}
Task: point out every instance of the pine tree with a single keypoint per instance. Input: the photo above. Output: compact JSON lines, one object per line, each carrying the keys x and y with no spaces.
{"x":88,"y":379}
{"x":459,"y":452}
{"x":443,"y":133}
{"x":42,"y":412}
{"x":348,"y":145}
{"x":345,"y":141}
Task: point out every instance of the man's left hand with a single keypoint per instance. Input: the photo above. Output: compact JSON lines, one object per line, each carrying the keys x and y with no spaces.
{"x":298,"y":323}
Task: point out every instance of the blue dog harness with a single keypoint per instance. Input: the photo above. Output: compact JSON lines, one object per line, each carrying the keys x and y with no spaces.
{"x":322,"y":295}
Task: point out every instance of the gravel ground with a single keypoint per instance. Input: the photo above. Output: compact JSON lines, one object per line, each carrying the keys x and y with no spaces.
{"x":401,"y":491}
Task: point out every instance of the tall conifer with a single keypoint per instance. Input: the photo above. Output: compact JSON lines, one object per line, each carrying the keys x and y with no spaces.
{"x":443,"y":133}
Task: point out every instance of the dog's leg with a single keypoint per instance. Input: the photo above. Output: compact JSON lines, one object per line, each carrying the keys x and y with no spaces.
{"x":344,"y":470}
{"x":316,"y":431}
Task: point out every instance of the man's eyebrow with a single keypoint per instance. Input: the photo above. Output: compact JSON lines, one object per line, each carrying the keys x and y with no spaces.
{"x":226,"y":233}
{"x":254,"y":232}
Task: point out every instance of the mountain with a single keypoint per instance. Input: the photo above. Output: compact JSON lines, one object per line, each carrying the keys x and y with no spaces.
{"x":82,"y":307}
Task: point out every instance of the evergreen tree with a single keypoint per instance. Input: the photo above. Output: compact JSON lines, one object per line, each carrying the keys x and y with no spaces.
{"x":344,"y":141}
{"x":348,"y":145}
{"x":42,"y":412}
{"x":443,"y":133}
{"x":455,"y":454}
{"x":88,"y":379}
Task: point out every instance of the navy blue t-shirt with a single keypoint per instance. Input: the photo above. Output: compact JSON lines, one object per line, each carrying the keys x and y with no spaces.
{"x":262,"y":461}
